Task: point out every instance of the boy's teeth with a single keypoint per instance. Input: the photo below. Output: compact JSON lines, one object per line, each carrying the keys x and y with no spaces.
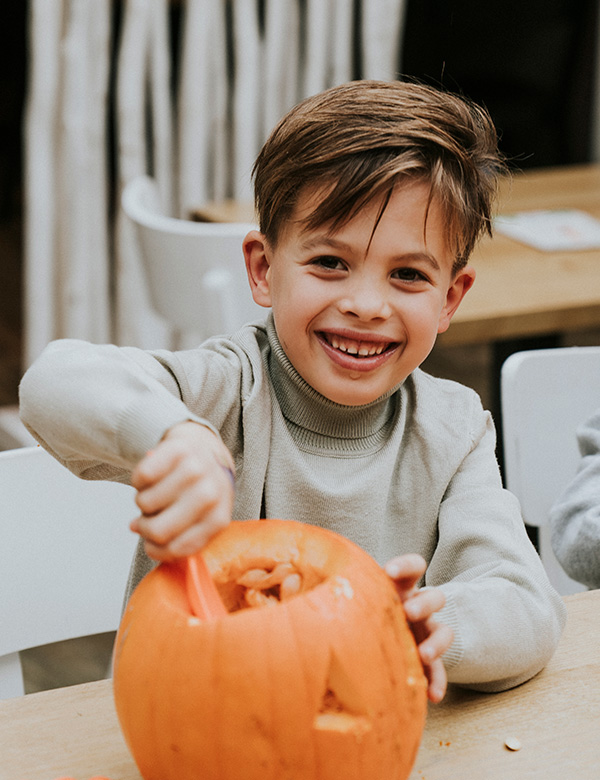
{"x":360,"y":348}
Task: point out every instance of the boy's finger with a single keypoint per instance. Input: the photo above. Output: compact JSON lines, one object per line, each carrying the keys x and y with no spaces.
{"x":196,"y":537}
{"x":438,"y":681}
{"x":169,"y":484}
{"x":191,"y":541}
{"x":424,"y":603}
{"x":185,"y":508}
{"x":435,"y":645}
{"x":406,"y":568}
{"x":155,"y":464}
{"x":188,"y":487}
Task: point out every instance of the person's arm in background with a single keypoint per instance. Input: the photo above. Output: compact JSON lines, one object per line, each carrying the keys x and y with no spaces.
{"x":575,"y":516}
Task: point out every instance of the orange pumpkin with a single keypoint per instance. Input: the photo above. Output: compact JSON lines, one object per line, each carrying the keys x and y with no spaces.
{"x":313,"y":673}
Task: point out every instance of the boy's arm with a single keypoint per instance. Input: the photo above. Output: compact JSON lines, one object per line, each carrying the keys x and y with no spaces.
{"x":506,"y":617}
{"x":106,"y":412}
{"x":99,"y":408}
{"x":575,"y":517}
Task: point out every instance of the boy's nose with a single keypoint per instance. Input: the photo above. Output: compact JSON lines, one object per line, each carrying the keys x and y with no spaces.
{"x":367,"y":301}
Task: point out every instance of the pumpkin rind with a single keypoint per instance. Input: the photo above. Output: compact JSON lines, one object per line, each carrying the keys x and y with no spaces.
{"x":323,"y":685}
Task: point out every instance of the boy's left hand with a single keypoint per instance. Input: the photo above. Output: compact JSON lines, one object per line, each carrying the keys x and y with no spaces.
{"x":433,"y":639}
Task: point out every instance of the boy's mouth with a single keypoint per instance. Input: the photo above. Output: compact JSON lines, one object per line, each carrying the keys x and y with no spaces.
{"x":356,"y":348}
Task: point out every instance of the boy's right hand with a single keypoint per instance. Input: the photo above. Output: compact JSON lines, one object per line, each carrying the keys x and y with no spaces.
{"x":185,"y":491}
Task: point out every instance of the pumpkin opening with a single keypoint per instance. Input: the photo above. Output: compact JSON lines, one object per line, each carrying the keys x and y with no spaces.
{"x":260,"y":583}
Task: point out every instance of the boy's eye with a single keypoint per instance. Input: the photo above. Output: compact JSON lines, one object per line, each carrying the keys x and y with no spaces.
{"x":328,"y":261}
{"x":409,"y":275}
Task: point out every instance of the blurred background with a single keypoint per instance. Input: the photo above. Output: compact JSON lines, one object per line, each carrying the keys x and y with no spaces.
{"x":532,"y":64}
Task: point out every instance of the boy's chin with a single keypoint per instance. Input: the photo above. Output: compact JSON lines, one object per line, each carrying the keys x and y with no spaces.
{"x":355,"y":396}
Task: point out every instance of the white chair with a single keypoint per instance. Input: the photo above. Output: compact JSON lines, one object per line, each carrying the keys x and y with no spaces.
{"x":545,"y":395}
{"x":65,"y":554}
{"x":196,"y":272}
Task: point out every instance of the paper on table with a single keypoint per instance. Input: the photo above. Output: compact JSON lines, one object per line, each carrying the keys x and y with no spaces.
{"x":552,"y":230}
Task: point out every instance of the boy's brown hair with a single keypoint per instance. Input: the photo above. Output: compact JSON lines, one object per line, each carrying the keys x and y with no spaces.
{"x":353,"y":143}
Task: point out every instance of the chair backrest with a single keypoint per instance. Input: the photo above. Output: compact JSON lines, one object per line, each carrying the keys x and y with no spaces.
{"x":545,"y":395}
{"x":195,"y":270}
{"x":65,"y":555}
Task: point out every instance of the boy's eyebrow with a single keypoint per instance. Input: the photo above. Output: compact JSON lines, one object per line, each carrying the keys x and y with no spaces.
{"x":424,"y":256}
{"x":313,"y":242}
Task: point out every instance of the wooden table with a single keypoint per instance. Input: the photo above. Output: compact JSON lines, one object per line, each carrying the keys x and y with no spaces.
{"x":519,"y":292}
{"x":555,"y":716}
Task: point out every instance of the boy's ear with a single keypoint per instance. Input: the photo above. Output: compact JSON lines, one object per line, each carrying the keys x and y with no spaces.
{"x":460,"y":285}
{"x":258,"y":267}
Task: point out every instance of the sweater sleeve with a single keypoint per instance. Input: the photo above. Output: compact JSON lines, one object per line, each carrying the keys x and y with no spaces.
{"x":575,"y":517}
{"x":99,"y":408}
{"x":507,"y":618}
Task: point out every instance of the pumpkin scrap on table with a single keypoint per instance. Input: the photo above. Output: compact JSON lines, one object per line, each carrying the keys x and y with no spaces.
{"x":312,"y":673}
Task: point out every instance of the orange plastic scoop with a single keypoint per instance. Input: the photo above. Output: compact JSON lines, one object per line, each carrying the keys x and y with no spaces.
{"x":204,"y":598}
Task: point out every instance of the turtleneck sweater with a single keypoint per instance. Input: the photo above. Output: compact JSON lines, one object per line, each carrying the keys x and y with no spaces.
{"x":414,"y":471}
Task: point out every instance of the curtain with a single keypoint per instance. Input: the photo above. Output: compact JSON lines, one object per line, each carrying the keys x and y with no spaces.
{"x":183,"y":91}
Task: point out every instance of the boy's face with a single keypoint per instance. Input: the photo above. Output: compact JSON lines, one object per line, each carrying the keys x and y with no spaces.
{"x":356,"y":312}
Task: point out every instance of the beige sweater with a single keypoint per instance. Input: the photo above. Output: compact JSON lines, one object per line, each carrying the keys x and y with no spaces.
{"x":415,"y":471}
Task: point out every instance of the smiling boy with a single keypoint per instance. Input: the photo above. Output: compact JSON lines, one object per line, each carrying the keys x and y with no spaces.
{"x":357,"y":310}
{"x":370,"y":199}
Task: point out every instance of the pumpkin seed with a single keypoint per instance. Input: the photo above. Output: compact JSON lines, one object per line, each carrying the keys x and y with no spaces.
{"x":512,"y":743}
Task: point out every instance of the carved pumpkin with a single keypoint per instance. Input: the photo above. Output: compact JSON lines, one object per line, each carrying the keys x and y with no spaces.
{"x":313,"y":673}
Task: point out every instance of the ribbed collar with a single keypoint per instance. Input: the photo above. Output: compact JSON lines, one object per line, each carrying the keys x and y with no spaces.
{"x":303,"y":406}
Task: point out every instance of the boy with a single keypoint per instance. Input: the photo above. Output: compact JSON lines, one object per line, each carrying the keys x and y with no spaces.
{"x":370,"y":198}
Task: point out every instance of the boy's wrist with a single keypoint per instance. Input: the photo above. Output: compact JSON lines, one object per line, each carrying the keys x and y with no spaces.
{"x":182,"y":425}
{"x":221,"y":453}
